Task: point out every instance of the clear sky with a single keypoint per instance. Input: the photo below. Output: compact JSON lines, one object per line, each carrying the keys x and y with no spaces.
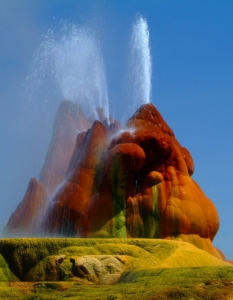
{"x":192,"y":85}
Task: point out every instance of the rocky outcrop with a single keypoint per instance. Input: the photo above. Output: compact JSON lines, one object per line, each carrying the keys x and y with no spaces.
{"x":96,"y":261}
{"x":121,"y":182}
{"x":69,"y":121}
{"x":147,"y":190}
{"x":100,"y":269}
{"x":71,"y":201}
{"x":27,"y":217}
{"x":26,"y":220}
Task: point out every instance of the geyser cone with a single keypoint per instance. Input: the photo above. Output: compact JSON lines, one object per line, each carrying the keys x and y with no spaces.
{"x":69,"y":121}
{"x":69,"y":204}
{"x":110,"y":181}
{"x":157,"y":198}
{"x":25,"y":221}
{"x":136,"y":183}
{"x":148,"y":115}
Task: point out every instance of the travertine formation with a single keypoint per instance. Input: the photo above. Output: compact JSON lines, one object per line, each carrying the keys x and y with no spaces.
{"x":101,"y":269}
{"x":101,"y":260}
{"x":124,"y":182}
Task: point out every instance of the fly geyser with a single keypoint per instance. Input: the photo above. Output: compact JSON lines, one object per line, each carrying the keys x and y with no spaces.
{"x":101,"y":179}
{"x":119,"y":182}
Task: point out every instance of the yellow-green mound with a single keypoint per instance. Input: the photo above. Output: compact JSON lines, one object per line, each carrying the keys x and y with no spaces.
{"x":110,"y":269}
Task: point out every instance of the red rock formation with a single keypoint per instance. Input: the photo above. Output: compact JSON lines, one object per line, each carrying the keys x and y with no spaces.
{"x":69,"y":121}
{"x":72,"y":199}
{"x":131,"y":182}
{"x":26,"y":218}
{"x":147,"y":191}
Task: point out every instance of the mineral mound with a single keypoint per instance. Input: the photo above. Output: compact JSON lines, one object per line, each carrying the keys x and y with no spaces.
{"x":117,"y":182}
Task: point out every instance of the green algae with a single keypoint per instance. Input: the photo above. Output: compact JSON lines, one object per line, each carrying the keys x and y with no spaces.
{"x":149,"y":274}
{"x":5,"y":272}
{"x":22,"y":255}
{"x":210,"y":283}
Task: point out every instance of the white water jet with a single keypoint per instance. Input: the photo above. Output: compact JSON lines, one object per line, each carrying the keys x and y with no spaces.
{"x":70,"y":63}
{"x":140,"y":69}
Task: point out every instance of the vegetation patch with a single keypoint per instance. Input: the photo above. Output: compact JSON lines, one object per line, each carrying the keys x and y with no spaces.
{"x":151,"y":269}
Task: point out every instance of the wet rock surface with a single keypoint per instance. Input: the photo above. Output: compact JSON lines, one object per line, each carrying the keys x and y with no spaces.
{"x":102,"y":269}
{"x":119,"y":182}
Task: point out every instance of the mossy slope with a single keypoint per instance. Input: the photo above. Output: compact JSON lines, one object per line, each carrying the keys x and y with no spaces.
{"x":28,"y":254}
{"x":153,"y":269}
{"x":209,"y":283}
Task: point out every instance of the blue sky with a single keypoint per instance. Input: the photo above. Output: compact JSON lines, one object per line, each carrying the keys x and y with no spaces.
{"x":192,"y":85}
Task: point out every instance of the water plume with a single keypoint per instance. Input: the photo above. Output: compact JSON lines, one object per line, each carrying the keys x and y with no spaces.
{"x":69,"y":63}
{"x":140,"y":70}
{"x":68,"y":69}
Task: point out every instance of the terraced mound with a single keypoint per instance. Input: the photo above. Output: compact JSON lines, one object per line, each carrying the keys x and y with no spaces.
{"x":110,"y":269}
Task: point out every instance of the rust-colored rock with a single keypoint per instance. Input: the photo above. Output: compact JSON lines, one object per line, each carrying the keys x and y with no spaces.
{"x":99,"y":269}
{"x":72,"y":199}
{"x":27,"y":216}
{"x":131,"y":182}
{"x":69,"y":121}
{"x":156,"y":198}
